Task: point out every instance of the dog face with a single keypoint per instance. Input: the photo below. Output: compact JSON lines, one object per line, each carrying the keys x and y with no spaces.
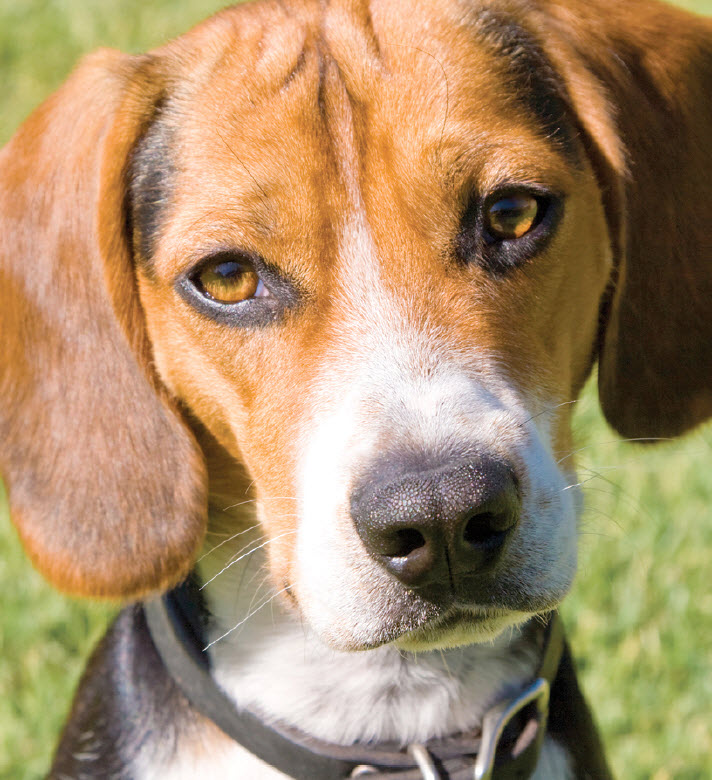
{"x":383,"y":330}
{"x":365,"y":255}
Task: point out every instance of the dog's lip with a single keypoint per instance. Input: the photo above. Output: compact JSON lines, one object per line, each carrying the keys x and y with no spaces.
{"x":474,"y":614}
{"x":456,"y":626}
{"x":456,"y":617}
{"x":452,"y":619}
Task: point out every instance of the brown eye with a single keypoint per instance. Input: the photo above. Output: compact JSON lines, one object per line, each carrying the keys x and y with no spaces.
{"x":230,"y":281}
{"x":512,"y":216}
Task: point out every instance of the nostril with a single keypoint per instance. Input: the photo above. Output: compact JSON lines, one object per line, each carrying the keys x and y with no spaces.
{"x":487,"y":528}
{"x":431,"y":526}
{"x":404,"y":542}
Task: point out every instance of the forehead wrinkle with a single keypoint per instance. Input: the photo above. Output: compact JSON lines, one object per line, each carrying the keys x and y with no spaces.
{"x":349,"y":36}
{"x":356,"y":294}
{"x":339,"y":119}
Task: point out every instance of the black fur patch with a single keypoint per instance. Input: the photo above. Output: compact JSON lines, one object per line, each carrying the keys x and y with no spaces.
{"x":126,"y":697}
{"x":538,"y":85}
{"x":151,"y":185}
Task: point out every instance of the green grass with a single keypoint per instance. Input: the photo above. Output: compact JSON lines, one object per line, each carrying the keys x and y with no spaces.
{"x":640,"y":616}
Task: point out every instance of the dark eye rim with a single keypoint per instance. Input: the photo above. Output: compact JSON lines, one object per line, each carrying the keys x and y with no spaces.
{"x":251,"y":312}
{"x":542,"y":197}
{"x":499,"y":256}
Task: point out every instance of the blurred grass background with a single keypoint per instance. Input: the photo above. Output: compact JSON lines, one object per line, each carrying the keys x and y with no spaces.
{"x":640,"y":616}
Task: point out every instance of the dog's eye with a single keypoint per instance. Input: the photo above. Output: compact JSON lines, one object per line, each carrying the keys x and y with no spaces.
{"x":508,"y":227}
{"x":238,"y":288}
{"x":230,"y":280}
{"x":512,"y":216}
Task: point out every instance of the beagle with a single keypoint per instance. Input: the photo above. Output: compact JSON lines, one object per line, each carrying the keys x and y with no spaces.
{"x":293,"y":312}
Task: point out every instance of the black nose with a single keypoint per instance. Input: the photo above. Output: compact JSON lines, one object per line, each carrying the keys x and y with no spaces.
{"x":437,"y":525}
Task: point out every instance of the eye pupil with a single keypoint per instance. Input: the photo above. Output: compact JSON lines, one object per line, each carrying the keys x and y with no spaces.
{"x":227,"y":270}
{"x":512,"y":216}
{"x":228,"y":281}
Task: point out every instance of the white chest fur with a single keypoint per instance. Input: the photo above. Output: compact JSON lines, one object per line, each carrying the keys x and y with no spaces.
{"x":273,"y":665}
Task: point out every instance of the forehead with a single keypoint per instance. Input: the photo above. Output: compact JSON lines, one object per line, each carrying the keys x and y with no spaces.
{"x":300,"y":106}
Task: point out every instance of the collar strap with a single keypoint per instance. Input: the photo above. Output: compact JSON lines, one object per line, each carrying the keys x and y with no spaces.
{"x":507,"y":747}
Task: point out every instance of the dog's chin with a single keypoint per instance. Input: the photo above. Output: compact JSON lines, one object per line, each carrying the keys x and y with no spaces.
{"x":455,"y":627}
{"x":460,"y":627}
{"x":419,"y":621}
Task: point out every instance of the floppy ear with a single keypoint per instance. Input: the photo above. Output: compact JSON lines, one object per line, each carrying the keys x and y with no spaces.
{"x":106,"y":483}
{"x":652,"y":65}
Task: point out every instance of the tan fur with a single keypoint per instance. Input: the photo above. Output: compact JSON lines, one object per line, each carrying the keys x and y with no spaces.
{"x":284,"y":135}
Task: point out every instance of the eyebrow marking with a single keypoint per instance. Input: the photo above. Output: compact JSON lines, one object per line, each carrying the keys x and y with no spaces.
{"x":537,"y":83}
{"x":151,"y":178}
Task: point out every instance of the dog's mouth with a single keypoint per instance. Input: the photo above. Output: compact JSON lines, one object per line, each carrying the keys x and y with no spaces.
{"x":373,"y":609}
{"x":433,"y":628}
{"x":459,"y":626}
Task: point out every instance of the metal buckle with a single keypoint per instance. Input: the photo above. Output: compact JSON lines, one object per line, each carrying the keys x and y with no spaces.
{"x":363,"y":770}
{"x":419,"y":753}
{"x":496,"y":720}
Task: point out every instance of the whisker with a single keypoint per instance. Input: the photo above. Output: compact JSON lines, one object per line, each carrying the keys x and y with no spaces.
{"x":595,"y":474}
{"x":244,"y":555}
{"x":443,"y":658}
{"x":549,"y":410}
{"x":245,"y":569}
{"x":447,"y":88}
{"x":259,"y":537}
{"x":612,"y":441}
{"x":239,"y":159}
{"x":262,"y":499}
{"x":599,"y":535}
{"x":247,"y":617}
{"x":240,"y":503}
{"x":583,"y":482}
{"x":265,"y":577}
{"x":256,"y":595}
{"x":229,"y":539}
{"x":246,"y":547}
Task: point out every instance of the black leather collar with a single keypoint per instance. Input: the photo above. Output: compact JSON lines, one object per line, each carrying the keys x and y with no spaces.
{"x":507,"y":747}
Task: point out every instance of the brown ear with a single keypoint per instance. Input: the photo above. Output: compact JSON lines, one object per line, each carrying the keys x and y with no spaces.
{"x":106,"y":483}
{"x":652,"y":65}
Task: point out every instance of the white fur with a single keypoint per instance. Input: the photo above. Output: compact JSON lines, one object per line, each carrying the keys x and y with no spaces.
{"x":398,"y":382}
{"x":401,"y":383}
{"x":274,"y":663}
{"x":397,"y":379}
{"x":276,"y":666}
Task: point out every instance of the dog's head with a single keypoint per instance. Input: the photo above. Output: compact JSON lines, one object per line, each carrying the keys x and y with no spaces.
{"x":359,"y":259}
